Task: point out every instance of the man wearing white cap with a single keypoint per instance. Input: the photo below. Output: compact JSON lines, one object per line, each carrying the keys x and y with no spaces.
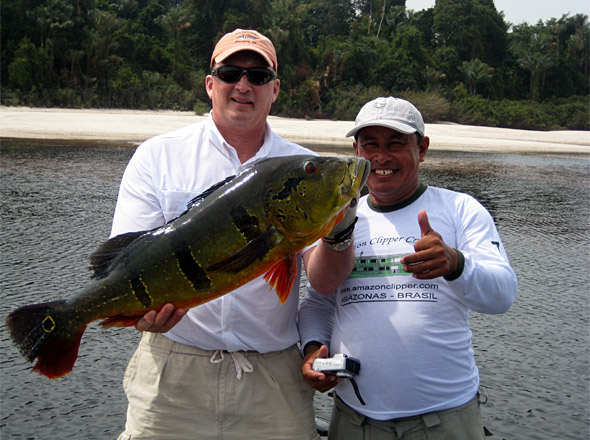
{"x":228,"y":369}
{"x":425,"y":258}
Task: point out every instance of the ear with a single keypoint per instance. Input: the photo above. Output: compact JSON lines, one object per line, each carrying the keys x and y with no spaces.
{"x":209,"y":86}
{"x":356,"y":149}
{"x":276,"y":87}
{"x":423,"y":148}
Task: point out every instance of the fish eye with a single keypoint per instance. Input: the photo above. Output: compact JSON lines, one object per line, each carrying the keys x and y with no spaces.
{"x":311,"y":168}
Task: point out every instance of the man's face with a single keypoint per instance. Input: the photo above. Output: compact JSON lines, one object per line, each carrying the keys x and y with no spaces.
{"x":395,"y":159}
{"x":242,"y":105}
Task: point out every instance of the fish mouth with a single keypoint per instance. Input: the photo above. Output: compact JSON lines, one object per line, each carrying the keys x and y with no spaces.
{"x":359,"y":170}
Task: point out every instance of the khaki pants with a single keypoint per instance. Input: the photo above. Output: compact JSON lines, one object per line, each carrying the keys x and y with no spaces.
{"x":179,"y":392}
{"x":461,"y":423}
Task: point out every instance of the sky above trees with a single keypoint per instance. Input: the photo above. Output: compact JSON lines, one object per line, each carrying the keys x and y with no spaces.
{"x":529,"y":11}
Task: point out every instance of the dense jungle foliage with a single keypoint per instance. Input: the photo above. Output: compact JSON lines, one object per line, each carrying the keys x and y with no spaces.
{"x":459,"y":61}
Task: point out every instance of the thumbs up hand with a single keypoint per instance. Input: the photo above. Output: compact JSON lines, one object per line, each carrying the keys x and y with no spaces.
{"x":433,"y":257}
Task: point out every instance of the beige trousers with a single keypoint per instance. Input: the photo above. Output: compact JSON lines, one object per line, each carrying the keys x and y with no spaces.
{"x":179,"y":392}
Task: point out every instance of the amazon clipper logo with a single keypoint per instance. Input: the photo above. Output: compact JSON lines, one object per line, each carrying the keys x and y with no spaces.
{"x":383,"y":266}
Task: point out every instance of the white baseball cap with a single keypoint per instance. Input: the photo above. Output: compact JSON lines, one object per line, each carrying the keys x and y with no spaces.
{"x":397,"y":114}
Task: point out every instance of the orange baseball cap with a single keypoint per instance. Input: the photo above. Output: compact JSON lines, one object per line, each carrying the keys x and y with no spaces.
{"x":244,"y":39}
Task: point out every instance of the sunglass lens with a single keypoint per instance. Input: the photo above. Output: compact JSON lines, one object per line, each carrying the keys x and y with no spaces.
{"x":259,"y":76}
{"x":256,"y":75}
{"x":229,"y":74}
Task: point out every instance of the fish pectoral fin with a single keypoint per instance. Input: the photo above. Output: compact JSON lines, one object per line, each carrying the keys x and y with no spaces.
{"x":120,"y":321}
{"x":255,"y":249}
{"x":102,"y":257}
{"x":282,"y":276}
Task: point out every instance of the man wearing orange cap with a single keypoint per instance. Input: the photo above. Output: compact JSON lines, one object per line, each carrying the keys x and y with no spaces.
{"x":228,"y":368}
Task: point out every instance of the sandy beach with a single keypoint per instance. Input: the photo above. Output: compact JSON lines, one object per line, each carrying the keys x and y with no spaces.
{"x":131,"y":127}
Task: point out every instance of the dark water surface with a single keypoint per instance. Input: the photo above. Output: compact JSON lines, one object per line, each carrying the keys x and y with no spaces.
{"x":56,"y":207}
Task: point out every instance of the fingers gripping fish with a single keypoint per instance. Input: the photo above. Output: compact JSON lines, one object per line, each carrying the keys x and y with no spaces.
{"x":248,"y":226}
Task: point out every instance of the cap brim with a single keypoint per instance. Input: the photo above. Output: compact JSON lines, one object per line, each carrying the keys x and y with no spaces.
{"x":397,"y":126}
{"x":222,"y":56}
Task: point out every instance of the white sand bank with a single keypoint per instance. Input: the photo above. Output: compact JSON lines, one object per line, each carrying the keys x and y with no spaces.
{"x":132,"y":127}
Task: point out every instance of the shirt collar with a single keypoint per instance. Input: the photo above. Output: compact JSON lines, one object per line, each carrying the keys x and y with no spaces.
{"x":219,"y":142}
{"x":397,"y":206}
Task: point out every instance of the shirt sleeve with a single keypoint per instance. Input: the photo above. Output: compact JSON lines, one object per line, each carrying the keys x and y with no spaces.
{"x":138,"y":206}
{"x":488,"y":283}
{"x":316,"y":317}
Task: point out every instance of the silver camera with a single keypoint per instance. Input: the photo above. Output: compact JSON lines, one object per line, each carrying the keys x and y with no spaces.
{"x":340,"y":365}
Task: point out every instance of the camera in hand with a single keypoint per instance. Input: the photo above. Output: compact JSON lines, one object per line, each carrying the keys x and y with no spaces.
{"x":340,"y":365}
{"x":343,"y":366}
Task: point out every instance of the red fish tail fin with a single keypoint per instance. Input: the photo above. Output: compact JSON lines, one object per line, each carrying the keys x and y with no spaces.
{"x":45,"y":332}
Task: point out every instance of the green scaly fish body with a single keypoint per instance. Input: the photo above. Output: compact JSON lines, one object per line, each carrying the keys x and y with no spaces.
{"x":249,"y":226}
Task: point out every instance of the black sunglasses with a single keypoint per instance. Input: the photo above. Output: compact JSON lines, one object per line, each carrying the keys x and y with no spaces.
{"x":232,"y":74}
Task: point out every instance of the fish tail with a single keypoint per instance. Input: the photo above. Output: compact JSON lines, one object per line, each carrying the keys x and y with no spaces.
{"x":45,"y":332}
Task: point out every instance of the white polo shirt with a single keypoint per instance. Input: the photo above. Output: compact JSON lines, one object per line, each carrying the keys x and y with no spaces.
{"x":164,"y":174}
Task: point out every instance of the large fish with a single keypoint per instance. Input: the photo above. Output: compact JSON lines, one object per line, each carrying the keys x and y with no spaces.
{"x":244,"y":227}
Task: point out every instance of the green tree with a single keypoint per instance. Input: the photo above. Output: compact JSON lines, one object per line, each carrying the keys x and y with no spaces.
{"x":15,"y":25}
{"x":532,"y":46}
{"x":402,"y":63}
{"x":325,"y":19}
{"x":26,"y":70}
{"x":474,"y":28}
{"x":100,"y":45}
{"x":476,"y":72}
{"x":285,"y":19}
{"x":397,"y":16}
{"x":434,"y":79}
{"x":372,"y":14}
{"x":424,"y":22}
{"x":63,"y":28}
{"x":174,"y":22}
{"x":578,"y":51}
{"x":569,"y":37}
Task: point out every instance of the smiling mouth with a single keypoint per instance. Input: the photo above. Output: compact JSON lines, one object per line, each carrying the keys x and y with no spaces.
{"x":384,"y":172}
{"x":241,"y":101}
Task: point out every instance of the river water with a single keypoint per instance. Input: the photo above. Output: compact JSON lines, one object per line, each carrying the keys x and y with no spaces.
{"x":57,"y":201}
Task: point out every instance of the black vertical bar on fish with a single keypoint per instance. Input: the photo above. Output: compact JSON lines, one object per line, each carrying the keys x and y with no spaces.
{"x":191,"y":269}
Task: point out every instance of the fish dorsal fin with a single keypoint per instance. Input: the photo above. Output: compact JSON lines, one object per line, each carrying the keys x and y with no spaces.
{"x":208,"y":192}
{"x":282,"y":276}
{"x":101,"y":258}
{"x":198,"y":199}
{"x":254,"y":250}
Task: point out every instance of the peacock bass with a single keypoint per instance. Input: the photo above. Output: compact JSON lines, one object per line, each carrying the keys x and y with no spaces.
{"x":249,"y":225}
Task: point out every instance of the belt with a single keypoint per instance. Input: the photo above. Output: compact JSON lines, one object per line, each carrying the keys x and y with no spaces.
{"x":430,"y":419}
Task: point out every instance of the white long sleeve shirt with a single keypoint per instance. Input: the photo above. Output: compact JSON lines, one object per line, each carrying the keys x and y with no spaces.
{"x":412,"y":336}
{"x":163,"y":175}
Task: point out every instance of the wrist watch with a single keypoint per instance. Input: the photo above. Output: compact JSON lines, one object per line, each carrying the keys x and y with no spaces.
{"x":338,"y":246}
